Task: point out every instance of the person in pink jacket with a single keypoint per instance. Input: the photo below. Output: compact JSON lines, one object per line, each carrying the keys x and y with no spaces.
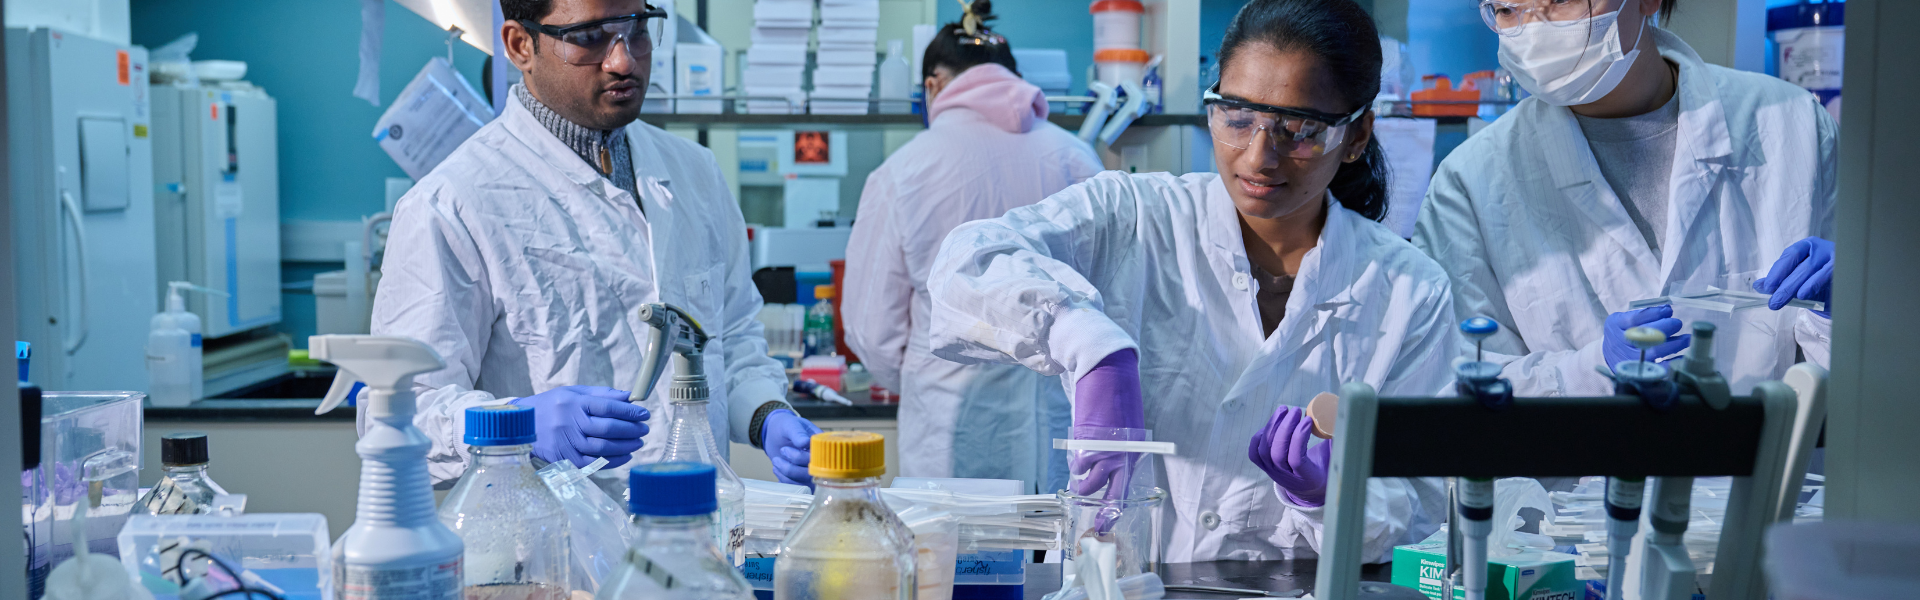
{"x":988,"y":148}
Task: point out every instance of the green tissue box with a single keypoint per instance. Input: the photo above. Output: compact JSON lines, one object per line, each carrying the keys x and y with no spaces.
{"x":1524,"y":576}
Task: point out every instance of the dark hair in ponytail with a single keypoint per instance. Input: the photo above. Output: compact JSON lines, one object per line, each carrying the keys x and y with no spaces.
{"x":1342,"y":35}
{"x":962,"y":44}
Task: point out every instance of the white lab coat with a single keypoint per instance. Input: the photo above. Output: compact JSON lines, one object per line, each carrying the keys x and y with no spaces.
{"x":1157,"y":262}
{"x":1534,"y":238}
{"x":523,"y":268}
{"x":989,"y":149}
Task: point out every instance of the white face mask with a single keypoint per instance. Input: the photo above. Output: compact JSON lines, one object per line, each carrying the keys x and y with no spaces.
{"x":1572,"y":63}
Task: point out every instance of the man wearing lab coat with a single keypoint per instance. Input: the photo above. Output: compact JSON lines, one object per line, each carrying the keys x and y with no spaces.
{"x":523,"y":258}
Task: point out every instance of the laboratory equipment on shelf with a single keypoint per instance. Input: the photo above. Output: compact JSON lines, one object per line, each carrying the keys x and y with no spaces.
{"x":1809,"y":40}
{"x":202,"y":557}
{"x":82,"y":224}
{"x":175,"y":364}
{"x":819,"y":332}
{"x":1465,"y":436}
{"x":396,"y":548}
{"x":674,"y":556}
{"x":850,"y":545}
{"x":689,"y":433}
{"x":216,"y":171}
{"x":511,"y":523}
{"x":184,"y":488}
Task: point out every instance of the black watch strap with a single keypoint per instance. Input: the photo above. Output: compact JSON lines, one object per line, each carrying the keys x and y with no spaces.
{"x":760,"y":420}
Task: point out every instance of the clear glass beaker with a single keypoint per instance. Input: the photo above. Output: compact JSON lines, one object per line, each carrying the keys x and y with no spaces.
{"x":1132,"y":524}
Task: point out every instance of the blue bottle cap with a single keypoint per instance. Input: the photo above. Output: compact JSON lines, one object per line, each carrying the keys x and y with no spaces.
{"x":672,"y":489}
{"x":503,"y":425}
{"x":1479,"y":327}
{"x":24,"y":352}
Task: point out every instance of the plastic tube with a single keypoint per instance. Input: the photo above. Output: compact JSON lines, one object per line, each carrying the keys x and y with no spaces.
{"x":1624,"y":495}
{"x":1476,"y":523}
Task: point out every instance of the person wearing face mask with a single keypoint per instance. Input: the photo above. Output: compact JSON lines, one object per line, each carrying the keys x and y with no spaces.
{"x":989,"y":149}
{"x":1635,"y":171}
{"x":1209,"y":308}
{"x":524,"y":257}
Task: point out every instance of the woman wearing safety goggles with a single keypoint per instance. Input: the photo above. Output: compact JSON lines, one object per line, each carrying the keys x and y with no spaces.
{"x":1636,"y":170}
{"x":1208,"y":308}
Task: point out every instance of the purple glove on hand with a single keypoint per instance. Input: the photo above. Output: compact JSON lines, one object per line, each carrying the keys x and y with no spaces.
{"x":1803,"y":272}
{"x":580,"y":422}
{"x":1614,"y":346}
{"x":788,"y":440}
{"x":1281,"y":450}
{"x":1106,"y":398}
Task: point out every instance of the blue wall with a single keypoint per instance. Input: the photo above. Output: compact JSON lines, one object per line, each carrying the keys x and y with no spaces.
{"x":306,"y":54}
{"x":1063,"y":24}
{"x":1448,"y":37}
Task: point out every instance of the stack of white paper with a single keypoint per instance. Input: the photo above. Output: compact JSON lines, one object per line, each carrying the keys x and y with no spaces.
{"x":849,"y":31}
{"x":777,"y":60}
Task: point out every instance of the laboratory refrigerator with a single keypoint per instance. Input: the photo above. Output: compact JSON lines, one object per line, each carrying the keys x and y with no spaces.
{"x":82,"y":207}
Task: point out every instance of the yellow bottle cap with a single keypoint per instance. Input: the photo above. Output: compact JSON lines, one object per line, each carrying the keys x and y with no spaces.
{"x":822,"y":292}
{"x":848,"y":455}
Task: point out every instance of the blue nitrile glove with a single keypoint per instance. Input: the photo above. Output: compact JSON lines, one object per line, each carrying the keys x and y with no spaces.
{"x":1804,"y":272}
{"x":1615,"y":347}
{"x":1281,"y":449}
{"x":788,"y":440}
{"x":581,"y":422}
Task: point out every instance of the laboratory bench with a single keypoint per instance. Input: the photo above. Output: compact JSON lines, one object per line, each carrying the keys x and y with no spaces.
{"x":1280,"y":578}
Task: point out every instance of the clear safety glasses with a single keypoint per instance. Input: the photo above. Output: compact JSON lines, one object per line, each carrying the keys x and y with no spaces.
{"x":1506,"y":16}
{"x":588,"y":43}
{"x":1293,"y":132}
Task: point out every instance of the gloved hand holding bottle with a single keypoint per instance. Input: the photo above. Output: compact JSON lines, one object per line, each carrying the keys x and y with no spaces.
{"x":1803,"y":272}
{"x":1616,"y":348}
{"x":1107,"y":398}
{"x":580,"y":423}
{"x":788,"y":440}
{"x":1281,"y":449}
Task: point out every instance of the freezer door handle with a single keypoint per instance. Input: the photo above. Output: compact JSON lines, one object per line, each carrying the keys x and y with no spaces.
{"x":77,"y":324}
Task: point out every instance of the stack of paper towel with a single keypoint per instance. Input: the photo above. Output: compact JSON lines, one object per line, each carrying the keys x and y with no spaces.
{"x":849,"y":30}
{"x":777,"y":60}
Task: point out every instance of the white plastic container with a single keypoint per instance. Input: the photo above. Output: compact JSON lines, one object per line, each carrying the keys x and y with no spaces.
{"x":1113,"y":66}
{"x":896,"y":80}
{"x":1116,"y":24}
{"x":175,"y":363}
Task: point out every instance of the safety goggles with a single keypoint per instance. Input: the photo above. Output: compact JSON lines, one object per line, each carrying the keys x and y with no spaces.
{"x":1506,"y":16}
{"x":1293,"y":132}
{"x":588,"y":43}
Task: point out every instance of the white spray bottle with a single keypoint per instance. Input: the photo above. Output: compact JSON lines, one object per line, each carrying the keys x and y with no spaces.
{"x":174,"y":360}
{"x":397,"y":547}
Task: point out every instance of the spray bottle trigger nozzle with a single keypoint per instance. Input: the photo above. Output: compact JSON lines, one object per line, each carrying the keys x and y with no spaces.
{"x":344,"y":384}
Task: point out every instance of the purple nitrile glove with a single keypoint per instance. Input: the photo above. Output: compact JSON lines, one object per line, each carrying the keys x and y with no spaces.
{"x":788,"y":440}
{"x":1106,"y":398}
{"x":1614,"y":345}
{"x":578,"y":423}
{"x":1804,"y":272}
{"x":1281,"y":450}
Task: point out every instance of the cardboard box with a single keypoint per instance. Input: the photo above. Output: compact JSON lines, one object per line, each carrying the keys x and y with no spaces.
{"x":1525,"y":576}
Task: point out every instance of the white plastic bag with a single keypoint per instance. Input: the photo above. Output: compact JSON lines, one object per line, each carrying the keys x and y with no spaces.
{"x":1511,"y":496}
{"x":936,"y":544}
{"x":598,"y":530}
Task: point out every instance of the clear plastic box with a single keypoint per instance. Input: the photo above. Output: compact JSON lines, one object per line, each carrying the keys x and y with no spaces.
{"x":288,"y":551}
{"x":89,"y":449}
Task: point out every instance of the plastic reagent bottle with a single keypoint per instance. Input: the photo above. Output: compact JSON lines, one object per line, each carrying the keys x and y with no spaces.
{"x":514,"y":527}
{"x":396,"y":548}
{"x":174,"y":359}
{"x":184,"y":489}
{"x":849,"y":545}
{"x":690,"y":440}
{"x":673,"y":556}
{"x":896,"y":80}
{"x":819,"y":328}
